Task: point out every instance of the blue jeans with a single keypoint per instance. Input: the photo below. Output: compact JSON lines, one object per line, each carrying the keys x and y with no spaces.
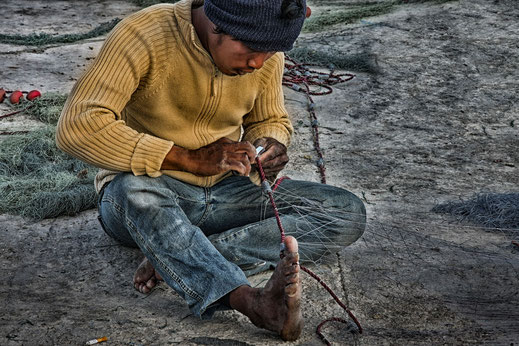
{"x":205,"y":241}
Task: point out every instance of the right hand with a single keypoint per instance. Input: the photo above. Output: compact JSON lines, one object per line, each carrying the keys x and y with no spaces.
{"x":222,"y":156}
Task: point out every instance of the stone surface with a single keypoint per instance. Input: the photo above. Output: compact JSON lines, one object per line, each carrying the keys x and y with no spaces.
{"x":438,"y":121}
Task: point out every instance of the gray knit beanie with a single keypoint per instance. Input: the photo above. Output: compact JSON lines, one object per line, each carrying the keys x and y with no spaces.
{"x":262,"y":25}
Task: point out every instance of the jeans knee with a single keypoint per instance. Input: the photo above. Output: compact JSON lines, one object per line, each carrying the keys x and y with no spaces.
{"x":352,"y":215}
{"x":359,"y":211}
{"x":126,"y":184}
{"x":138,"y":192}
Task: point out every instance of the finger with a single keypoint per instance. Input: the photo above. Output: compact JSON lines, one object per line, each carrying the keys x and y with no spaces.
{"x":240,"y":168}
{"x":247,"y":148}
{"x":275,"y":162}
{"x":260,"y":142}
{"x":273,"y":171}
{"x":225,"y":140}
{"x":240,"y":163}
{"x":268,"y":154}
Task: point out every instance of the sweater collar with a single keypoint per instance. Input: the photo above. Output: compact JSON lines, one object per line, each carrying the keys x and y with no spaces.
{"x":184,"y":14}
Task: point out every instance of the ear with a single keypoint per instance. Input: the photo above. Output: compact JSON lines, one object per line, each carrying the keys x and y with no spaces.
{"x":291,"y":9}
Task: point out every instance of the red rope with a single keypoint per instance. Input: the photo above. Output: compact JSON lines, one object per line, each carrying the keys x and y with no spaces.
{"x":270,"y":193}
{"x":321,"y":325}
{"x":15,"y":112}
{"x":278,"y":182}
{"x":313,"y":83}
{"x":268,"y":190}
{"x":294,"y":75}
{"x":337,"y":300}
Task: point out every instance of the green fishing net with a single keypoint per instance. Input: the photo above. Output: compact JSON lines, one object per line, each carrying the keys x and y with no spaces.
{"x":41,"y":39}
{"x":38,"y":180}
{"x":352,"y":12}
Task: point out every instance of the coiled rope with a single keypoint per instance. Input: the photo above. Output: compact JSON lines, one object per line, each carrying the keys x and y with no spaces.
{"x":302,"y":79}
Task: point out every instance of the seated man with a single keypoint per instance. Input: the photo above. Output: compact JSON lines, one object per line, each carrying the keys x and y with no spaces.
{"x":172,"y":110}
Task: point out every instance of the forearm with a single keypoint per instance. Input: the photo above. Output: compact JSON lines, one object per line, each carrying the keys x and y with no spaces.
{"x":177,"y":159}
{"x":222,"y":156}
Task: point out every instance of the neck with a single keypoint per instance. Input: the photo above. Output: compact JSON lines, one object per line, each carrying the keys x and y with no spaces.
{"x":202,"y":26}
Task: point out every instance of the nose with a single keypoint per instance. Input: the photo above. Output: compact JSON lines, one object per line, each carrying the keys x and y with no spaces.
{"x":257,"y":61}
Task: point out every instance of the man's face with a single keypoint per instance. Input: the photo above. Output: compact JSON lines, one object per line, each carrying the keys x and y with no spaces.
{"x":234,"y":58}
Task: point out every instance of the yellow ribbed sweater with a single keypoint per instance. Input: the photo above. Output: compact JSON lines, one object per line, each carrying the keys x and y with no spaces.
{"x":153,"y":86}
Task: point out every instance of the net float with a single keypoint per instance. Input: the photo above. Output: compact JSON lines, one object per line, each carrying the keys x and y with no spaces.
{"x":16,"y":96}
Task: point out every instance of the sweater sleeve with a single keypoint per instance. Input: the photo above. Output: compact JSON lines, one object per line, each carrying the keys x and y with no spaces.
{"x":269,"y":117}
{"x":90,"y":127}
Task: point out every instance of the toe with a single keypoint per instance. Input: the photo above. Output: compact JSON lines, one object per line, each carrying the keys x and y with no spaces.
{"x":291,"y":244}
{"x":151,"y":283}
{"x":158,"y":276}
{"x":291,"y":269}
{"x":144,"y":289}
{"x":292,"y":278}
{"x":290,"y":260}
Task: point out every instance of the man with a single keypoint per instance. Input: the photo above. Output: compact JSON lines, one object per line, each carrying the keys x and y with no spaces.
{"x":172,"y":110}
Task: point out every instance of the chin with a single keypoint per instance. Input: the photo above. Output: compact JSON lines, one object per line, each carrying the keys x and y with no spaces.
{"x":231,"y":74}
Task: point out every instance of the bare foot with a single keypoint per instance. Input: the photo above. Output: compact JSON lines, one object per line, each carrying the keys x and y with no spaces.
{"x":275,"y":307}
{"x":145,"y":277}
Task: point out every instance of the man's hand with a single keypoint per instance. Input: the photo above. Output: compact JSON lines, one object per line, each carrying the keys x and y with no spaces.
{"x":222,"y":156}
{"x":274,"y":158}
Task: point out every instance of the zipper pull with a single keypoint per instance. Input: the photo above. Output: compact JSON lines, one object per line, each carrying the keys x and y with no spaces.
{"x":212,"y":85}
{"x":213,"y":77}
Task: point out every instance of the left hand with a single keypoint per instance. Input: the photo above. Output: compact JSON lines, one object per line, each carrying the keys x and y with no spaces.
{"x":274,"y":157}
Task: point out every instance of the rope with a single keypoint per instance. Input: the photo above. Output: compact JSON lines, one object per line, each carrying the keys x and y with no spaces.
{"x":321,"y":325}
{"x":267,"y":189}
{"x":313,"y":83}
{"x":15,"y":112}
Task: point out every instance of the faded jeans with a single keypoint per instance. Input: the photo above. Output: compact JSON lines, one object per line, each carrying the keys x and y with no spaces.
{"x":205,"y":241}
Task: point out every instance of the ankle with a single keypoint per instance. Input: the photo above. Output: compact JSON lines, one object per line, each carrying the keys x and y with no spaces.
{"x":241,"y":298}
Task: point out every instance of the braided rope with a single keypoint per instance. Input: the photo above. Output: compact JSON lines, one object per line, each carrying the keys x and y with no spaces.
{"x":267,"y":189}
{"x":314,"y":83}
{"x":15,"y":112}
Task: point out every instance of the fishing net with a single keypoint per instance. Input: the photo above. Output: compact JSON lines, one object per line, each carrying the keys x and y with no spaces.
{"x":47,"y":108}
{"x":353,"y":12}
{"x":492,"y":210}
{"x":360,"y":62}
{"x":38,"y":180}
{"x":434,"y":268}
{"x":41,"y":39}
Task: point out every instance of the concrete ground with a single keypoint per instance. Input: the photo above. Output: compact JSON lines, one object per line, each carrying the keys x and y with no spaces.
{"x":437,"y":121}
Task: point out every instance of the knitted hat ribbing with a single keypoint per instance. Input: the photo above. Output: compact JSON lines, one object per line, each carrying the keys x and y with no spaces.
{"x":259,"y":24}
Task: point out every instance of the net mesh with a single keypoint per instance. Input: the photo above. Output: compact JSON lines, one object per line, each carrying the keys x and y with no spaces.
{"x":492,"y":210}
{"x":38,"y":180}
{"x":41,"y":39}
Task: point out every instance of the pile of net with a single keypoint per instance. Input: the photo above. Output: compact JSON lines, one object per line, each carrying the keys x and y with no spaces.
{"x":37,"y":180}
{"x":492,"y":210}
